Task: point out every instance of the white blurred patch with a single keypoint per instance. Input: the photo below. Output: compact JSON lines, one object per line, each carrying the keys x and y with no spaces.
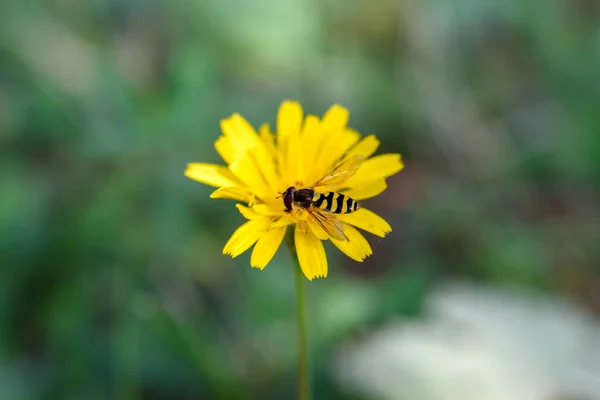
{"x":480,"y":343}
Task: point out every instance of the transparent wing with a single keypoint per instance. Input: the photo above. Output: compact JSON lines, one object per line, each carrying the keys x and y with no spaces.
{"x":340,"y":174}
{"x":328,"y":222}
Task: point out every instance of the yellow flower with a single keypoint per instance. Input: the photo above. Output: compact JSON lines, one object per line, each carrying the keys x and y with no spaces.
{"x":263,"y":165}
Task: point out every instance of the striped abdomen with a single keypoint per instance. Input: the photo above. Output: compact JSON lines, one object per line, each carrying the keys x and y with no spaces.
{"x":336,"y":203}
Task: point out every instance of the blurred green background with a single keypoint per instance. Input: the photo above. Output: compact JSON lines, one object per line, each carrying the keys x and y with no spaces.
{"x":112,"y":281}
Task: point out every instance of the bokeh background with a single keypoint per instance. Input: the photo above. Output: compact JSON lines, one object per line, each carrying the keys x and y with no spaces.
{"x":112,"y":281}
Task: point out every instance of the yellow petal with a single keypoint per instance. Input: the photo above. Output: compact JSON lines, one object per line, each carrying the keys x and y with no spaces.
{"x":317,"y":230}
{"x":233,"y":193}
{"x":266,"y":156}
{"x":356,"y":247}
{"x":330,"y":153}
{"x":370,"y":189}
{"x":286,"y":180}
{"x":289,"y":118}
{"x":223,"y":147}
{"x":240,"y":133}
{"x":294,"y":158}
{"x":312,"y":125}
{"x":245,"y":236}
{"x":211,"y":174}
{"x":365,"y":147}
{"x":266,"y":247}
{"x":247,"y":170}
{"x":312,"y":134}
{"x":375,"y":168}
{"x":266,"y":167}
{"x":310,"y":144}
{"x":311,"y":254}
{"x":268,"y":139}
{"x":339,"y":144}
{"x":368,"y":221}
{"x":248,"y":213}
{"x":335,"y":118}
{"x":289,"y":123}
{"x":243,"y":145}
{"x":269,"y":209}
{"x":283,"y":221}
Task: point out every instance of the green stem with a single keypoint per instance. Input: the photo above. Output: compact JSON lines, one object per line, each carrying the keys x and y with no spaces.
{"x":303,"y":383}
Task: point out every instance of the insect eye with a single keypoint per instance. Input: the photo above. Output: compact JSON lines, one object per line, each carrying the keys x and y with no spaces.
{"x":288,"y":198}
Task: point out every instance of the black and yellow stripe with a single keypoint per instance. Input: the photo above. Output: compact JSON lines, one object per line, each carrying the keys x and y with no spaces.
{"x":336,"y":203}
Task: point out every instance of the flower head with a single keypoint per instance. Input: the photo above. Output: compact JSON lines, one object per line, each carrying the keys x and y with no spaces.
{"x":262,"y":165}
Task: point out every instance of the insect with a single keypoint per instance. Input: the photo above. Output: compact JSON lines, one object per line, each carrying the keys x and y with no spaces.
{"x":322,"y":206}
